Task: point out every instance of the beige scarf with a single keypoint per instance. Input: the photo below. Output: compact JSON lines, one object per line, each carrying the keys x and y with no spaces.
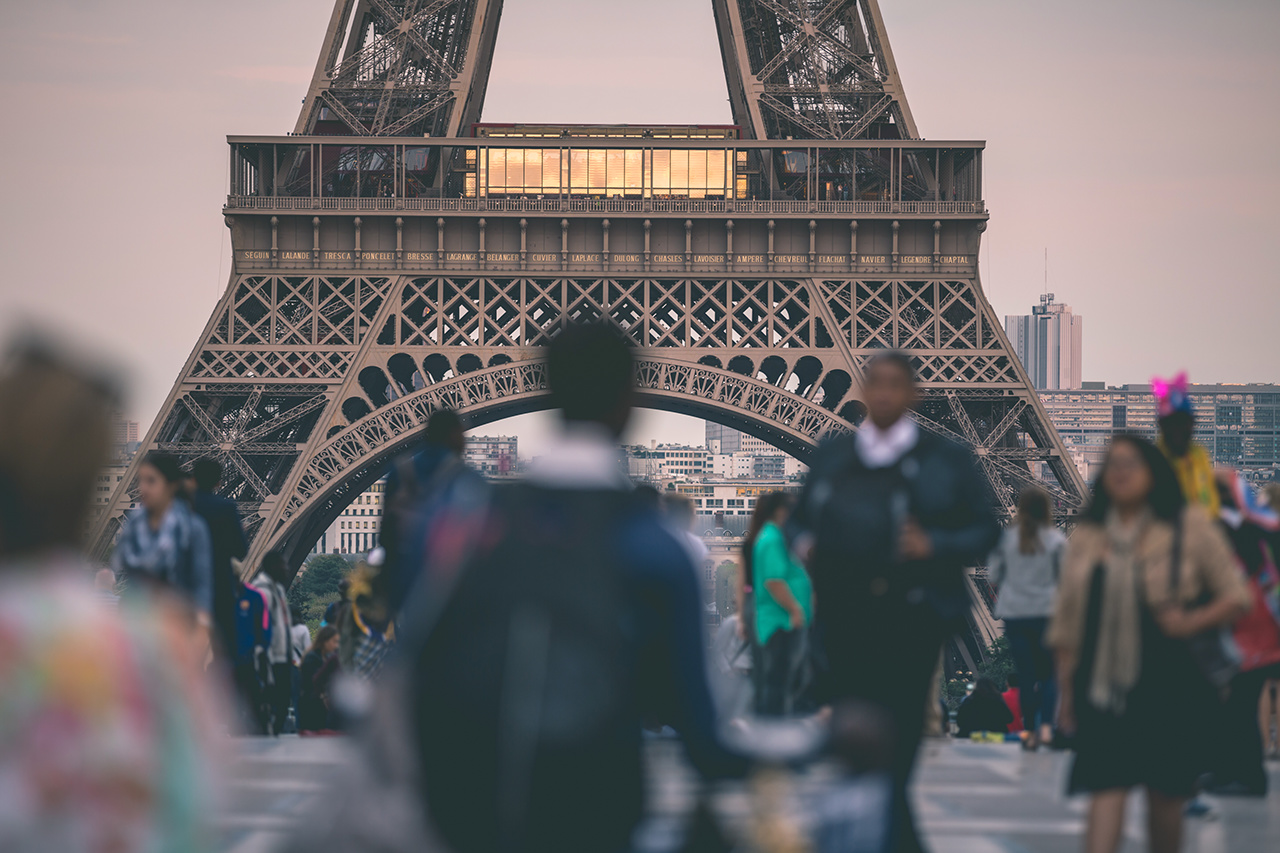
{"x":1117,"y":664}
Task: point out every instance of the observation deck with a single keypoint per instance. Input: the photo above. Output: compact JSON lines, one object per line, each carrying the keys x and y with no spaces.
{"x":518,"y":201}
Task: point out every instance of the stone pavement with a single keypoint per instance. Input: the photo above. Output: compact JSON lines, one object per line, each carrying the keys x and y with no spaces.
{"x":970,"y":798}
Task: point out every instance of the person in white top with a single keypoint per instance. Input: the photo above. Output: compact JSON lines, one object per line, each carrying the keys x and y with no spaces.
{"x":1024,"y":569}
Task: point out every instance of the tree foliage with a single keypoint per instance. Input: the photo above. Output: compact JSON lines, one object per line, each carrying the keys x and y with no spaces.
{"x":316,"y":586}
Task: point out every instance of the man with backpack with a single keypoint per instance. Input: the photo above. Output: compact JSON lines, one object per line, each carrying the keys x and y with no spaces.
{"x":573,"y":616}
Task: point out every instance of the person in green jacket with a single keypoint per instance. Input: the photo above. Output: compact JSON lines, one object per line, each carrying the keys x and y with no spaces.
{"x":783,"y":607}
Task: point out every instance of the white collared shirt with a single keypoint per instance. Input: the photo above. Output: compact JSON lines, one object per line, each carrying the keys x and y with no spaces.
{"x":583,"y":456}
{"x":880,"y":448}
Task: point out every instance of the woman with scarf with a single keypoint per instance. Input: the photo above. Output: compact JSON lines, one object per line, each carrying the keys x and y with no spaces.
{"x":165,"y":546}
{"x":1130,"y":687}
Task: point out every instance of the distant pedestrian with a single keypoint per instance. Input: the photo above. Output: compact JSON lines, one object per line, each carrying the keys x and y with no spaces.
{"x":104,"y":585}
{"x":319,"y":666}
{"x":334,"y":612}
{"x":784,"y":607}
{"x":890,"y":517}
{"x":164,"y":546}
{"x":417,"y":486}
{"x":1013,"y":701}
{"x":301,"y":635}
{"x":272,"y":581}
{"x":679,"y":512}
{"x":226,"y":536}
{"x":983,"y":710}
{"x":1130,"y":687}
{"x":1024,"y":569}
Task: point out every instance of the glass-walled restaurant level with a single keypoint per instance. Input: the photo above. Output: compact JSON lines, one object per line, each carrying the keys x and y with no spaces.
{"x":616,"y":168}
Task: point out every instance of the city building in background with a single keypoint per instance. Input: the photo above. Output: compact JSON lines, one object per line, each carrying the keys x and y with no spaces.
{"x":355,"y":530}
{"x":659,"y":462}
{"x":492,"y":455}
{"x":1239,"y":425}
{"x":723,"y":439}
{"x":1048,"y":343}
{"x":123,"y":431}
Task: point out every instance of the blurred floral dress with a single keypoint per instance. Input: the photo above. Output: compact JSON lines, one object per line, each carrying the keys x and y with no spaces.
{"x":106,"y":739}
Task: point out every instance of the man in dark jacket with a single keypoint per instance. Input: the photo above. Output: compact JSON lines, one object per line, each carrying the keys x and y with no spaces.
{"x":417,"y":486}
{"x":889,"y":518}
{"x":228,"y":540}
{"x":529,"y":735}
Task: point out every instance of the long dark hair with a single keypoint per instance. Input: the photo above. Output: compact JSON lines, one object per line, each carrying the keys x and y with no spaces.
{"x":767,"y":506}
{"x":1165,"y":499}
{"x":987,"y":687}
{"x":324,"y":635}
{"x":1033,"y":516}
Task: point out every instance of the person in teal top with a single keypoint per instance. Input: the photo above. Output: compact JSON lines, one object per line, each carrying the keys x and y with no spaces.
{"x":783,"y":607}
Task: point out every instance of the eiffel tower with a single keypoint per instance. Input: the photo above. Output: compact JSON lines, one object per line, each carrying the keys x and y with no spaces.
{"x":394,"y":256}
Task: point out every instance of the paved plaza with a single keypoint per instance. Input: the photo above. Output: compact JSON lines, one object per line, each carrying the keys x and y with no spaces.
{"x":971,"y":798}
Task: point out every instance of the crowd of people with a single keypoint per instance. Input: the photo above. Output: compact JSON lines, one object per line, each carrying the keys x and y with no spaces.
{"x":504,"y":655}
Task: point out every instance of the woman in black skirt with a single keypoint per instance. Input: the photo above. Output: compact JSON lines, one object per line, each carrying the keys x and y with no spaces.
{"x":1130,"y":687}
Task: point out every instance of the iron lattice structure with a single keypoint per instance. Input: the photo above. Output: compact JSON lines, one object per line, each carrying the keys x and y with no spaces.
{"x":402,"y":68}
{"x":820,"y":69}
{"x":379,"y":275}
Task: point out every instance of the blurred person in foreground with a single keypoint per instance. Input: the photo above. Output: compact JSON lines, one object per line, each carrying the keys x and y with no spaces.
{"x":1130,"y":686}
{"x":227,"y":542}
{"x":105,"y":720}
{"x":164,"y":546}
{"x":889,"y":517}
{"x":575,"y":616}
{"x":1024,"y":569}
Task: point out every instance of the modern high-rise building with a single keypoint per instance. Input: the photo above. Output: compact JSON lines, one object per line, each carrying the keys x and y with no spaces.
{"x":723,"y":439}
{"x":123,"y":431}
{"x":1048,"y":343}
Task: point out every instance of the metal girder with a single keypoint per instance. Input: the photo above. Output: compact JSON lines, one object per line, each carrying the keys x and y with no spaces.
{"x":823,"y":68}
{"x":410,"y":67}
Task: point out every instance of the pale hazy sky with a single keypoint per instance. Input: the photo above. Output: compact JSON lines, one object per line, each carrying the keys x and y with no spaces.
{"x":1137,"y":141}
